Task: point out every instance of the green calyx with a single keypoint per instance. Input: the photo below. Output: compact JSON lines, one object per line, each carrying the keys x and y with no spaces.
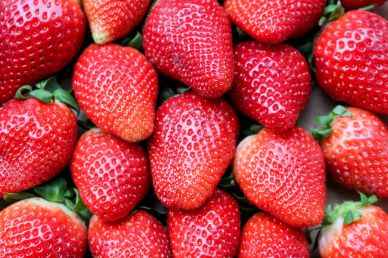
{"x":252,"y":130}
{"x":135,"y":42}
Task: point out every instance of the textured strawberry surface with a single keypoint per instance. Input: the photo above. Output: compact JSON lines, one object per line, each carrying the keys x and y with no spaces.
{"x":355,"y":4}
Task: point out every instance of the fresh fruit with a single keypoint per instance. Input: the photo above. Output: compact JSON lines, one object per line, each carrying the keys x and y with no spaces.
{"x":111,"y":175}
{"x":271,"y":84}
{"x":274,"y":21}
{"x":355,"y":229}
{"x":191,"y":41}
{"x":351,"y":60}
{"x":213,"y":230}
{"x":137,"y":235}
{"x":38,"y":228}
{"x":192,"y":145}
{"x":266,"y":236}
{"x":283,"y":174}
{"x":117,"y":88}
{"x":355,"y":146}
{"x":110,"y":20}
{"x":355,"y":4}
{"x":38,"y":38}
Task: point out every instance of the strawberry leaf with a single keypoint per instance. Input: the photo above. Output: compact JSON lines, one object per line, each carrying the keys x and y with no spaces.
{"x":53,"y":191}
{"x":13,"y":197}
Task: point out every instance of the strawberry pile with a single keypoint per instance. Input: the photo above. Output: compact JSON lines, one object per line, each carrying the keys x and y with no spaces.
{"x":168,"y":128}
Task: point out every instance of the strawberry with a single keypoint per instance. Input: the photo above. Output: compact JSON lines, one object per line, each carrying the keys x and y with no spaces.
{"x":191,"y":41}
{"x":355,"y":229}
{"x":117,"y":88}
{"x":110,"y":20}
{"x":38,"y":228}
{"x":192,"y":145}
{"x":213,"y":230}
{"x":137,"y":235}
{"x":355,"y":146}
{"x":273,"y":21}
{"x":355,"y":4}
{"x":283,"y":174}
{"x":272,"y":83}
{"x":38,"y":38}
{"x":351,"y":62}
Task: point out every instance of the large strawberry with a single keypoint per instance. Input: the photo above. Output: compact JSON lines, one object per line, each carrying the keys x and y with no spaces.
{"x":355,"y":146}
{"x":273,"y":21}
{"x":355,"y":4}
{"x":38,"y":38}
{"x":271,"y":84}
{"x":137,"y":235}
{"x":192,"y":145}
{"x":117,"y":88}
{"x":191,"y":41}
{"x":283,"y":174}
{"x":351,"y":60}
{"x":213,"y":230}
{"x":110,"y":20}
{"x":38,"y":228}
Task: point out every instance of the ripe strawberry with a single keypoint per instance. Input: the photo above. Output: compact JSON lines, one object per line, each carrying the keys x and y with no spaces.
{"x":272,"y":83}
{"x":355,"y":147}
{"x":351,"y":60}
{"x":117,"y":88}
{"x":355,"y":4}
{"x":192,"y":146}
{"x":110,"y":20}
{"x":213,"y":230}
{"x":38,"y":228}
{"x":273,"y":21}
{"x":137,"y":235}
{"x":283,"y":174}
{"x":191,"y":41}
{"x":38,"y":38}
{"x":111,"y":175}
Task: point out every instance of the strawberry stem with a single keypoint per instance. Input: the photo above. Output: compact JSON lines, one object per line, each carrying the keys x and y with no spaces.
{"x":333,"y":11}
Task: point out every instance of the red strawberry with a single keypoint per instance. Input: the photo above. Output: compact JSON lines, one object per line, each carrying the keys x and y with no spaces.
{"x":138,"y":235}
{"x":38,"y":38}
{"x":191,"y":41}
{"x":213,"y":230}
{"x":110,"y":20}
{"x":266,"y":236}
{"x":272,"y":83}
{"x":283,"y":174}
{"x":117,"y":88}
{"x":355,"y":4}
{"x":355,"y":147}
{"x":112,"y":175}
{"x":351,"y":60}
{"x":192,"y":146}
{"x":273,"y":21}
{"x":38,"y":228}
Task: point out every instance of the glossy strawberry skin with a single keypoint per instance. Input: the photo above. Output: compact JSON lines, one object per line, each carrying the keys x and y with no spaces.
{"x":351,"y":60}
{"x":111,"y":175}
{"x":356,"y":4}
{"x":110,"y":20}
{"x":271,"y":84}
{"x":37,"y":228}
{"x":356,"y":152}
{"x":273,"y":21}
{"x":37,"y":40}
{"x":283,"y":174}
{"x":137,"y":235}
{"x":117,"y":88}
{"x":192,"y":145}
{"x":36,"y":142}
{"x":213,"y":230}
{"x":191,"y":41}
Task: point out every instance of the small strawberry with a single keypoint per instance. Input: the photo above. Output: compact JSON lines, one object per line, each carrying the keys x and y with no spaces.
{"x":274,"y":21}
{"x":213,"y":230}
{"x":351,"y":60}
{"x":191,"y":41}
{"x":271,"y":84}
{"x":137,"y":235}
{"x":117,"y":88}
{"x":355,"y":4}
{"x":283,"y":174}
{"x":38,"y":228}
{"x":110,"y":20}
{"x":192,"y":145}
{"x":355,"y":146}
